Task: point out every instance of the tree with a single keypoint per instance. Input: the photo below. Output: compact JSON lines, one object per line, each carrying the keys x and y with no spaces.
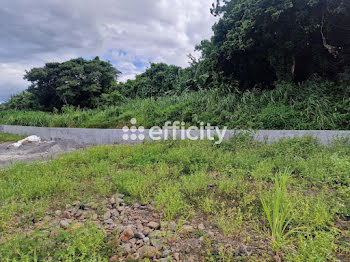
{"x":77,"y":82}
{"x":260,"y":41}
{"x":156,"y":81}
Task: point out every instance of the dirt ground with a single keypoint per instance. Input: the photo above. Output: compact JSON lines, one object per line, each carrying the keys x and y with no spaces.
{"x":34,"y":151}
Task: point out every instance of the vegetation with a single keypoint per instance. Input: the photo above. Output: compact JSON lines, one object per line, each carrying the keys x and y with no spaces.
{"x":270,"y":64}
{"x":4,"y":137}
{"x":314,"y":105}
{"x":77,"y":82}
{"x":294,"y":192}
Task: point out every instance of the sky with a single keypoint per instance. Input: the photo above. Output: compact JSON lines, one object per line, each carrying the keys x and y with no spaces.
{"x":128,"y":33}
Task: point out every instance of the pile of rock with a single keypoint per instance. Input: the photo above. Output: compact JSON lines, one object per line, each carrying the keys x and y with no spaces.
{"x":140,"y":234}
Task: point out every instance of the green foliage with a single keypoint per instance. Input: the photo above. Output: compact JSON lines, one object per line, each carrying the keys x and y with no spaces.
{"x":314,"y":105}
{"x":158,"y":80}
{"x":278,"y":211}
{"x":77,"y":82}
{"x":262,"y":41}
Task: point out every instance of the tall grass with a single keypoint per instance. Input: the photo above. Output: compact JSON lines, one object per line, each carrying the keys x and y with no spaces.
{"x":314,"y":105}
{"x":278,"y":210}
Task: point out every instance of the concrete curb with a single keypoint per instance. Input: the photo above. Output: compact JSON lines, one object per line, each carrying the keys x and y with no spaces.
{"x":87,"y":136}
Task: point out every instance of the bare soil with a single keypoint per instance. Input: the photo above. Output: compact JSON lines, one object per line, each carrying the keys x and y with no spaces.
{"x":43,"y":150}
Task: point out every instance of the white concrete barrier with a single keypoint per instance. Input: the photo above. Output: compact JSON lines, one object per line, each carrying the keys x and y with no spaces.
{"x":115,"y":136}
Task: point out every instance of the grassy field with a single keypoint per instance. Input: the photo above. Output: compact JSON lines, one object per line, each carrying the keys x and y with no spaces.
{"x":4,"y":137}
{"x":312,"y":106}
{"x":293,"y":196}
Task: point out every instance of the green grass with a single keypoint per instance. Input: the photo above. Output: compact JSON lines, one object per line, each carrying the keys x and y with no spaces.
{"x":314,"y":105}
{"x":4,"y":137}
{"x":185,"y":179}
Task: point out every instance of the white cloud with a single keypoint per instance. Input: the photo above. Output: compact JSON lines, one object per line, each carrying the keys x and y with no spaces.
{"x":39,"y":31}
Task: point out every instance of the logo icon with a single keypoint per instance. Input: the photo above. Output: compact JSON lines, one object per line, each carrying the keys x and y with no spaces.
{"x":136,"y":133}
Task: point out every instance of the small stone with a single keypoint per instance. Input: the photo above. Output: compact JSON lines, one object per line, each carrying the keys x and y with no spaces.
{"x":121,"y":195}
{"x":58,"y":213}
{"x":146,"y":240}
{"x":47,"y":218}
{"x":187,"y":229}
{"x":242,"y":250}
{"x":66,"y":214}
{"x":201,"y":226}
{"x":114,"y":259}
{"x":107,"y":215}
{"x":120,"y":208}
{"x":153,"y":225}
{"x":94,"y":216}
{"x":126,"y":247}
{"x":177,"y":256}
{"x":112,"y":200}
{"x":166,"y":252}
{"x":147,"y":252}
{"x":109,"y":222}
{"x":146,"y":231}
{"x":64,"y":223}
{"x":126,"y":235}
{"x":139,"y":236}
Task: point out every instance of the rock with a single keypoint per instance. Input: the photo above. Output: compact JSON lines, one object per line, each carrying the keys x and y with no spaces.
{"x":126,"y":247}
{"x":107,"y":215}
{"x":139,"y":236}
{"x":177,"y":256}
{"x":109,"y":222}
{"x":187,"y":229}
{"x":158,"y":243}
{"x":147,"y":252}
{"x":114,"y":259}
{"x":146,"y":240}
{"x":201,"y":226}
{"x":58,"y":213}
{"x":47,"y":218}
{"x":64,"y":223}
{"x":66,"y":214}
{"x":146,"y":231}
{"x":94,"y":216}
{"x":120,"y":208}
{"x":153,"y":225}
{"x":126,"y":235}
{"x":166,"y":252}
{"x":242,"y":250}
{"x":112,"y":200}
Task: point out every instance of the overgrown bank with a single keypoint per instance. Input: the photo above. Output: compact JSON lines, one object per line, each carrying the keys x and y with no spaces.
{"x":315,"y":105}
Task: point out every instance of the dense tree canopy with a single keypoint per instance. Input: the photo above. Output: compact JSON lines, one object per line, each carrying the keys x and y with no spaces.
{"x":260,"y":41}
{"x":157,"y":80}
{"x":77,"y":82}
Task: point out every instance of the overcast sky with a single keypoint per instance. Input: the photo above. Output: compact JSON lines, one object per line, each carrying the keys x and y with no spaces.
{"x":129,"y":33}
